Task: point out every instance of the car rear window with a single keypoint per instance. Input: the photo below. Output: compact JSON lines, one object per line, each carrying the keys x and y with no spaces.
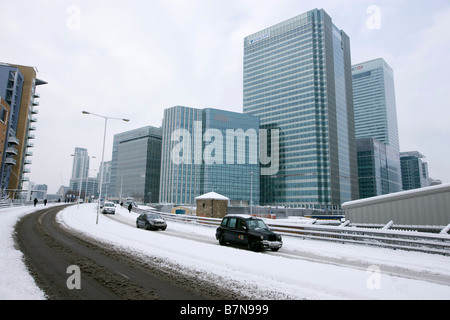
{"x":224,"y":222}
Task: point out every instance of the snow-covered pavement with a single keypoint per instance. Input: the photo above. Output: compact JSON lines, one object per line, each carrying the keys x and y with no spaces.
{"x":302,"y":269}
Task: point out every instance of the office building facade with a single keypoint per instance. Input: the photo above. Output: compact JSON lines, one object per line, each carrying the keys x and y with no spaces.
{"x":414,"y":170}
{"x":80,"y":183}
{"x":376,"y":117}
{"x":136,"y":165}
{"x":374,"y":102}
{"x":297,"y":78}
{"x":209,"y":150}
{"x":375,"y":160}
{"x":80,"y":166}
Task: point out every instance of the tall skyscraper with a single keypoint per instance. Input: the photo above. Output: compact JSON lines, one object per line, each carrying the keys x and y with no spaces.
{"x":136,"y":165}
{"x":209,"y":150}
{"x":80,"y":168}
{"x":297,"y":78}
{"x":374,"y":101}
{"x":376,"y":117}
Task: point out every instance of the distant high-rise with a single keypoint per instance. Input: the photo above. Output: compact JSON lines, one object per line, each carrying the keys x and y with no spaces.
{"x":136,"y":165}
{"x":374,"y":101}
{"x":80,"y":166}
{"x":297,"y":78}
{"x":375,"y":162}
{"x":80,"y":169}
{"x":209,"y":150}
{"x":414,"y":170}
{"x":376,"y":117}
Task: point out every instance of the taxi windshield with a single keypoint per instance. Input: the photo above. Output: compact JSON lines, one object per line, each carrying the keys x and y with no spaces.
{"x":256,"y":224}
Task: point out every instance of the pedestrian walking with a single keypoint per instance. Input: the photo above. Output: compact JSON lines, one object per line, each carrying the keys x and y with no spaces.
{"x":130,"y":206}
{"x":35,"y":201}
{"x":45,"y":202}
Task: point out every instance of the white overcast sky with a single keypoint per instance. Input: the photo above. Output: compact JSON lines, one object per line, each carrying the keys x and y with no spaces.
{"x":133,"y":59}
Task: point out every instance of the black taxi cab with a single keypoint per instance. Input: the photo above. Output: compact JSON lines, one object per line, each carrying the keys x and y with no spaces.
{"x":248,"y":231}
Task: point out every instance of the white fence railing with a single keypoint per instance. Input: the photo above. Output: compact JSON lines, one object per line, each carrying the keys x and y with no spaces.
{"x":394,"y":239}
{"x":9,"y":204}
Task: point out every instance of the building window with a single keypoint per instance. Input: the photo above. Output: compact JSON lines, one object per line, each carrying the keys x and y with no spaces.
{"x":3,"y":115}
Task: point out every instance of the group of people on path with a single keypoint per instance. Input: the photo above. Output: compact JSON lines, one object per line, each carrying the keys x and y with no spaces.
{"x":130,"y":206}
{"x":36,"y":201}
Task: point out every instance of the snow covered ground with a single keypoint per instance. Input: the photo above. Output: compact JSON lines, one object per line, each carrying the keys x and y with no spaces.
{"x":302,"y":269}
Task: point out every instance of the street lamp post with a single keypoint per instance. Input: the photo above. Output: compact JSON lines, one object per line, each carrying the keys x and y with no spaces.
{"x":103,"y":154}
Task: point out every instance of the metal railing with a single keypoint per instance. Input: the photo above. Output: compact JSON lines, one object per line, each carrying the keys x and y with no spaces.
{"x":12,"y":203}
{"x":383,"y":237}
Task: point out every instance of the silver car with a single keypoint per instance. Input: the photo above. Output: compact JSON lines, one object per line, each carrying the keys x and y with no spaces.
{"x":109,"y":208}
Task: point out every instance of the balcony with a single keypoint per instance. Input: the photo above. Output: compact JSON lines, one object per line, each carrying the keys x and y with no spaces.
{"x":28,"y":153}
{"x":33,"y":119}
{"x":35,"y":103}
{"x":36,"y":95}
{"x":34,"y":111}
{"x":11,"y":150}
{"x":13,"y":140}
{"x":10,"y":161}
{"x":27,"y":161}
{"x":32,"y":128}
{"x":31,"y":136}
{"x":30,"y":145}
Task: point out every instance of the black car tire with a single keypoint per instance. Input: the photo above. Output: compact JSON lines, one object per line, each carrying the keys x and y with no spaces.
{"x":221,"y":240}
{"x":163,"y":228}
{"x":253,"y":246}
{"x":137,"y":225}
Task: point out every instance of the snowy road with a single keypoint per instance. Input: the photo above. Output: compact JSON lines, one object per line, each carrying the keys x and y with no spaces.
{"x":53,"y":254}
{"x":302,"y":269}
{"x":293,"y":251}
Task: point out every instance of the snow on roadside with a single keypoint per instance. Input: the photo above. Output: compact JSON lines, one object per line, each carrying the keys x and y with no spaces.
{"x":15,"y":281}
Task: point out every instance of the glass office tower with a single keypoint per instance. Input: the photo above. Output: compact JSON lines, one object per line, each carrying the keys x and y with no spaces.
{"x":375,"y":160}
{"x":136,"y":164}
{"x":80,"y":167}
{"x":297,"y":78}
{"x":414,"y":170}
{"x":376,"y":116}
{"x":374,"y":102}
{"x":209,"y":150}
